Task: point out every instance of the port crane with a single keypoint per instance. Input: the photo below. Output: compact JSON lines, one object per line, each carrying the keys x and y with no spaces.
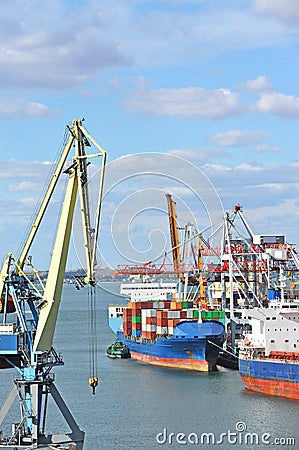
{"x":29,"y":308}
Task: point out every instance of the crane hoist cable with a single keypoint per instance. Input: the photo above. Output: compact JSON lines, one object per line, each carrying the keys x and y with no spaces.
{"x":93,"y":353}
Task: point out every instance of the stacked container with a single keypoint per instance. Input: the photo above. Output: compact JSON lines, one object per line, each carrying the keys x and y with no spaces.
{"x":149,"y":319}
{"x":127,"y":321}
{"x":136,"y":319}
{"x":213,"y":315}
{"x":149,"y":323}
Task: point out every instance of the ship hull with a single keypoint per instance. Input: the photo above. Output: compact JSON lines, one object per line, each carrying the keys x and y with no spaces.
{"x":196,"y":353}
{"x":279,"y":378}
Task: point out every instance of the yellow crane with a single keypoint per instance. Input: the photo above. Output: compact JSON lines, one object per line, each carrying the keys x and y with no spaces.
{"x":26,"y":335}
{"x":174,"y":236}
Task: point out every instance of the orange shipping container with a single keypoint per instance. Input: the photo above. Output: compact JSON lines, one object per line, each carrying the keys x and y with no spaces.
{"x":151,"y":320}
{"x":176,"y":305}
{"x":135,"y":305}
{"x":161,"y":314}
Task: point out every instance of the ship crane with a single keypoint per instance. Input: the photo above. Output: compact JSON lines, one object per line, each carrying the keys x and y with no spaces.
{"x":29,"y":309}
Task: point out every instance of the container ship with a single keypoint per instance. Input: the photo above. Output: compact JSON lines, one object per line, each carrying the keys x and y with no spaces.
{"x":269,"y":358}
{"x":169,"y":333}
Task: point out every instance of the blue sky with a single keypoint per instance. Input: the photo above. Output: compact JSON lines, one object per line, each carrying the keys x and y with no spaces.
{"x":214,"y":83}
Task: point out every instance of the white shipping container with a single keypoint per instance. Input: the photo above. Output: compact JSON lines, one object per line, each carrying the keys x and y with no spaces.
{"x":149,"y":327}
{"x":152,"y":313}
{"x":189,"y":313}
{"x":161,"y":330}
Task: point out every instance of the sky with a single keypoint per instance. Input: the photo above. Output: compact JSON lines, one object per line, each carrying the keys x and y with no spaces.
{"x":197,"y":98}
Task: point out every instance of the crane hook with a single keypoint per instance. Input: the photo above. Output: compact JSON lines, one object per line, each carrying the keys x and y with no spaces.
{"x":93,"y":382}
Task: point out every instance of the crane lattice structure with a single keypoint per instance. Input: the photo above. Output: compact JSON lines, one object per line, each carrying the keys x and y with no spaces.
{"x":29,"y":308}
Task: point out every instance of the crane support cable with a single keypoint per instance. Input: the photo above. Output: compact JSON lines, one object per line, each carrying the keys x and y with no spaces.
{"x":93,"y":347}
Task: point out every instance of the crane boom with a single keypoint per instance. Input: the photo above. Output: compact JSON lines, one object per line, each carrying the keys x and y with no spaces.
{"x":52,"y":293}
{"x":172,"y":217}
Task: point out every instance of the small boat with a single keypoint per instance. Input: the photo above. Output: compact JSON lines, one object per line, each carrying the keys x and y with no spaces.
{"x":118,"y":350}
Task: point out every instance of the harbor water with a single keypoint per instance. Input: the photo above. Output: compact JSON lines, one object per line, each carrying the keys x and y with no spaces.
{"x":147,"y":407}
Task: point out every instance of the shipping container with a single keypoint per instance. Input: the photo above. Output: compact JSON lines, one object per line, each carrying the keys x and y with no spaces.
{"x":162,"y":330}
{"x":136,"y":319}
{"x":136,"y":333}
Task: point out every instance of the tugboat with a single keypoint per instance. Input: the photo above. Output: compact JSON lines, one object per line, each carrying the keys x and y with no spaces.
{"x":118,"y":350}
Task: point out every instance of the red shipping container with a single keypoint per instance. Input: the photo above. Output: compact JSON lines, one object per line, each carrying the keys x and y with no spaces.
{"x":149,"y":334}
{"x":162,"y":322}
{"x":127,"y":330}
{"x":183,"y":314}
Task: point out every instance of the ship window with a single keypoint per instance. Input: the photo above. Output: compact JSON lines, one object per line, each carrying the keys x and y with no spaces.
{"x":273,"y":318}
{"x":295,"y":345}
{"x":286,"y":340}
{"x":267,"y":318}
{"x":272,"y":341}
{"x":196,"y":337}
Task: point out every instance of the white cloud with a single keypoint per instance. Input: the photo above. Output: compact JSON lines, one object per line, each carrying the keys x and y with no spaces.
{"x":262,"y":148}
{"x":60,"y":45}
{"x":189,"y":103}
{"x":28,"y":201}
{"x":23,"y":186}
{"x":237,"y":138}
{"x":275,"y":186}
{"x":278,"y":104}
{"x":248,"y":168}
{"x":259,"y":84}
{"x":42,"y":47}
{"x":198,"y":155}
{"x":286,"y":10}
{"x":16,"y":109}
{"x":20,"y":170}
